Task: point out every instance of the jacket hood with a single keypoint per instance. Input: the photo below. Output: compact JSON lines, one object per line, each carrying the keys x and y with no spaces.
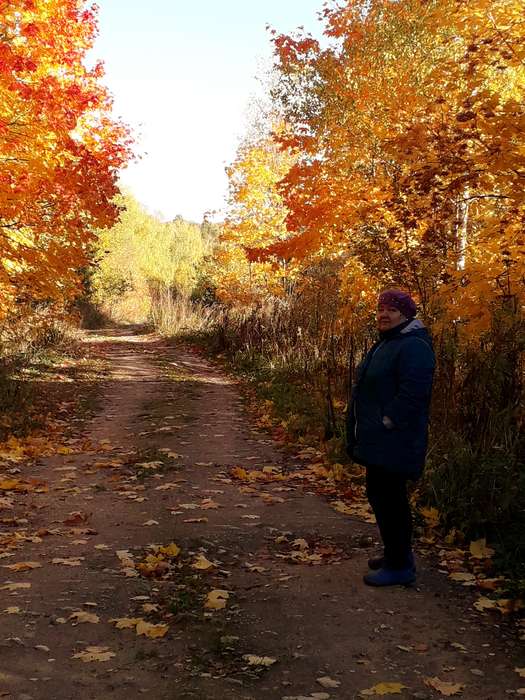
{"x":414,"y":325}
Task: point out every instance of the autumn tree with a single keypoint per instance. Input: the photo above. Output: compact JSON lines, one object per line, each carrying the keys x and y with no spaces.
{"x":60,"y":149}
{"x":142,"y":261}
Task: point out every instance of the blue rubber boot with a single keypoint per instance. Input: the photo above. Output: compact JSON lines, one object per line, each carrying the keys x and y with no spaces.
{"x":379,"y":562}
{"x":391,"y":577}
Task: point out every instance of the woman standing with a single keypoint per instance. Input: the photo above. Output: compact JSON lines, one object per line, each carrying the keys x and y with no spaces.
{"x":387,"y":425}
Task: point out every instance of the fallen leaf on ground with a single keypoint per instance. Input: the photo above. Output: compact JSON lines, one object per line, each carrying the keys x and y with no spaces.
{"x":444,"y":687}
{"x":383,"y":689}
{"x":520,"y":672}
{"x":259,"y":660}
{"x":479,"y":549}
{"x":150,"y":607}
{"x":71,"y":561}
{"x":255,"y":568}
{"x":125,"y":623}
{"x":431,"y":516}
{"x":149,"y":630}
{"x":195,"y":520}
{"x":14,"y":586}
{"x":12,"y":610}
{"x":76,"y":518}
{"x":172,"y":550}
{"x":341,"y":507}
{"x":216,"y":599}
{"x":23,"y":566}
{"x":83,"y":616}
{"x":94,"y":654}
{"x":202,"y":564}
{"x":150,"y":522}
{"x":328,"y":682}
{"x":461,"y":576}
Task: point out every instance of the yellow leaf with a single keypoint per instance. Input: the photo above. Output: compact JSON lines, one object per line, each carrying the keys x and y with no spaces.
{"x":520,"y":672}
{"x":384,"y":689}
{"x":216,"y":599}
{"x":150,"y":607}
{"x":125,"y":623}
{"x":12,"y":610}
{"x":484,"y":603}
{"x":341,"y":507}
{"x":14,"y":586}
{"x":444,"y":687}
{"x":23,"y":566}
{"x":258,"y":660}
{"x":172,"y":550}
{"x":202,"y":564}
{"x":151,"y":631}
{"x":479,"y":549}
{"x":237,"y":472}
{"x":431,"y":515}
{"x":94,"y":654}
{"x":461,"y":576}
{"x":83,"y":616}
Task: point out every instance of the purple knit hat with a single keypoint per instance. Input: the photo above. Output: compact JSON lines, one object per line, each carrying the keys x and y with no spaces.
{"x":402,"y":301}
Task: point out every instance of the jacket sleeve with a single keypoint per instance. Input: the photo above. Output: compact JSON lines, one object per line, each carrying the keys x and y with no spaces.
{"x":415,"y":375}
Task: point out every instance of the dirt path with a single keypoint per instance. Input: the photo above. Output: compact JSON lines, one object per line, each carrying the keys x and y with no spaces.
{"x":153,"y":467}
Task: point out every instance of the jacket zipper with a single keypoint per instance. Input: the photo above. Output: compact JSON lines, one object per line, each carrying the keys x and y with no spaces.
{"x":355,"y":403}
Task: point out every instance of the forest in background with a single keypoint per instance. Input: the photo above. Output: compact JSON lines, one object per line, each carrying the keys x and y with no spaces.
{"x":390,"y":153}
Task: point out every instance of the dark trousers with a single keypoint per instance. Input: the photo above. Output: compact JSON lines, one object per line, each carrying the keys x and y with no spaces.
{"x":387,"y":494}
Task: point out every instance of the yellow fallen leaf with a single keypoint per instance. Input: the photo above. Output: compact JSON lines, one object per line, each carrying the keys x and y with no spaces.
{"x":151,"y":631}
{"x":23,"y":566}
{"x":172,"y":550}
{"x":520,"y":672}
{"x":216,"y":599}
{"x":14,"y":586}
{"x":383,"y":689}
{"x":258,"y":660}
{"x":479,"y":549}
{"x":484,"y":603}
{"x":150,"y":607}
{"x":238,"y":473}
{"x":341,"y":507}
{"x":94,"y":654}
{"x":209,"y":504}
{"x":431,"y":516}
{"x":444,"y":687}
{"x":202,"y":564}
{"x":461,"y":576}
{"x":12,"y":610}
{"x":125,"y":623}
{"x":83,"y":616}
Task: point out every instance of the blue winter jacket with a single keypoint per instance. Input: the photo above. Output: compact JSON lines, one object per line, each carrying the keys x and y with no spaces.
{"x":394,"y":382}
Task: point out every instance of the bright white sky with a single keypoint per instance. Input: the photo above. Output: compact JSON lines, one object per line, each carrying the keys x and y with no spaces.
{"x":182,"y":74}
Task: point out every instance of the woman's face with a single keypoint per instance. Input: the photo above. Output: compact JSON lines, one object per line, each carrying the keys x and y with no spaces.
{"x":388,"y":317}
